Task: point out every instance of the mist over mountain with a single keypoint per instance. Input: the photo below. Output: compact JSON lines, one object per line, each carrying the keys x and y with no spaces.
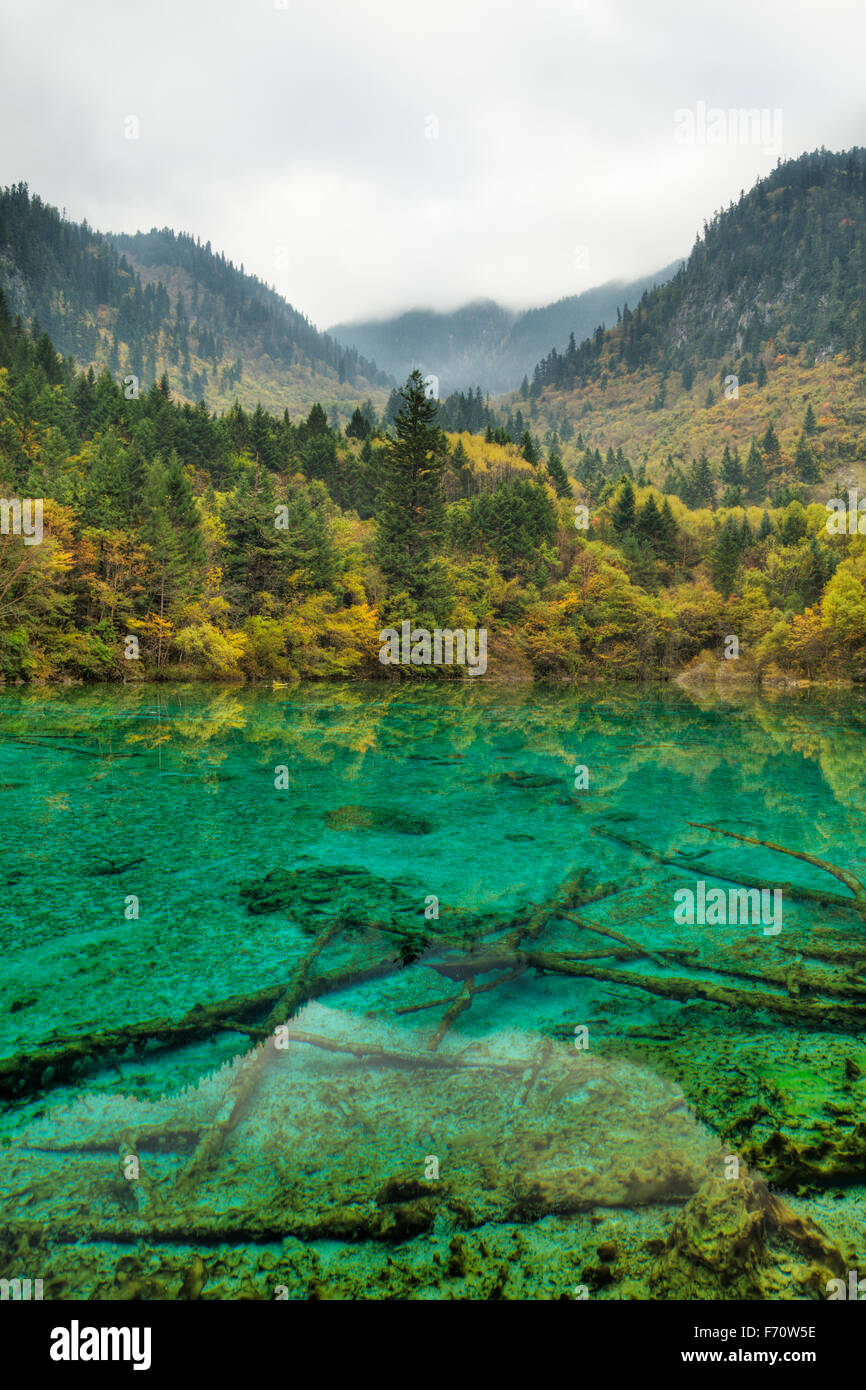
{"x":164,"y":302}
{"x":483,"y":343}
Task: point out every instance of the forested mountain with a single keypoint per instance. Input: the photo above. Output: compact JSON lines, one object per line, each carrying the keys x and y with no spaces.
{"x":787,"y":262}
{"x":781,"y":272}
{"x":754,"y":352}
{"x":622,"y":518}
{"x":248,"y":546}
{"x":484,"y":344}
{"x":163,"y":302}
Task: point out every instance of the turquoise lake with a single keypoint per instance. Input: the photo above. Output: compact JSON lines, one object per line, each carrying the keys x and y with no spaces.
{"x":168,"y":849}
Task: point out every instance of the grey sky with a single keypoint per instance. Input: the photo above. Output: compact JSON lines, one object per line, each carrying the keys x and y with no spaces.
{"x":298,"y":139}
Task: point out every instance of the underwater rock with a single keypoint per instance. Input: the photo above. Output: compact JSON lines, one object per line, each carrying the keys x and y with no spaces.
{"x":526,"y":779}
{"x":660,"y":1177}
{"x":406,"y":1187}
{"x":310,"y":895}
{"x":277,"y":892}
{"x":820,"y":1160}
{"x":113,"y":868}
{"x":376,"y":818}
{"x":456,"y":1268}
{"x":18,"y":1004}
{"x":411,"y":1219}
{"x":736,"y":1240}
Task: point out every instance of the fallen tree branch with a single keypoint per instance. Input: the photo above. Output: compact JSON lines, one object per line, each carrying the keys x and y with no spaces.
{"x":60,"y":1059}
{"x":844,"y":876}
{"x":822,"y":1016}
{"x":444,"y":1061}
{"x":463,"y":1001}
{"x":249,"y":1073}
{"x":636,"y":947}
{"x":794,"y":891}
{"x":55,"y":1062}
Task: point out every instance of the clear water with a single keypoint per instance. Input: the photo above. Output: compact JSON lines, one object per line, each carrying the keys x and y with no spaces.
{"x":150,"y":862}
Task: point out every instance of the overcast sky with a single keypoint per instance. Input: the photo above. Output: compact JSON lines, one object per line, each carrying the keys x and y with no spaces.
{"x":365,"y":156}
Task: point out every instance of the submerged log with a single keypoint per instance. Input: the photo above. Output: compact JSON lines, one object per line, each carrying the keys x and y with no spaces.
{"x":844,"y":875}
{"x":63,"y":1059}
{"x":250,"y":1071}
{"x":796,"y":892}
{"x":818,"y":1013}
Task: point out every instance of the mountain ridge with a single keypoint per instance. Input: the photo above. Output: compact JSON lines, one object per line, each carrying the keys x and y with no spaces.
{"x":212,"y":328}
{"x":483,"y":342}
{"x":767,"y":317}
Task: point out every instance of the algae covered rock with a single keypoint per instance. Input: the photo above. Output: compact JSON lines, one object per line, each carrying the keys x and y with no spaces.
{"x":831,"y":1154}
{"x":736,"y":1240}
{"x":314,"y":893}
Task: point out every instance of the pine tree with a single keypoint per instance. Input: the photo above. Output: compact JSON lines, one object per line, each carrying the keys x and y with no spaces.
{"x":701,"y":483}
{"x":732,"y":497}
{"x":731,"y":472}
{"x":641,"y":560}
{"x":462,"y":466}
{"x":260,"y":437}
{"x":317,"y":421}
{"x":726,"y":557}
{"x":817,"y":570}
{"x":558,"y":475}
{"x":392,"y":409}
{"x":756,"y":479}
{"x":810,"y":424}
{"x":106,"y":489}
{"x":172,"y":533}
{"x":670,"y":533}
{"x":359,"y":426}
{"x":770,"y":447}
{"x":623,"y":467}
{"x":623,"y":511}
{"x":805,"y":463}
{"x":410,"y":509}
{"x":794,"y":524}
{"x":527,"y":448}
{"x":656,"y":528}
